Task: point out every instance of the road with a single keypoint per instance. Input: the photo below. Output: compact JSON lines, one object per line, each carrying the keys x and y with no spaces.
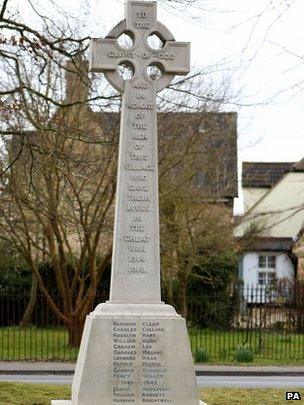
{"x":202,"y":381}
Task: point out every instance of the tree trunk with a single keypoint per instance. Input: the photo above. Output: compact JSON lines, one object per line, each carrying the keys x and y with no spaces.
{"x":27,"y":316}
{"x":75,"y":331}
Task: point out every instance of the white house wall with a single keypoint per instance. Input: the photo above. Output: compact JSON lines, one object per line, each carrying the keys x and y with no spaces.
{"x":252,"y":195}
{"x":250,"y":267}
{"x":280,"y":212}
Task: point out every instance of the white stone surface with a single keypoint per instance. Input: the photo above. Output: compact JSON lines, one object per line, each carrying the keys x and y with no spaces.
{"x":136,"y":260}
{"x":141,"y":355}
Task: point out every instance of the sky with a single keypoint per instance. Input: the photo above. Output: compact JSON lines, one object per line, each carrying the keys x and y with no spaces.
{"x":258,"y":43}
{"x":258,"y":47}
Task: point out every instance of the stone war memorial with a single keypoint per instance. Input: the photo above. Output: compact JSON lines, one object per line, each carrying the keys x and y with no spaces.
{"x":135,"y":348}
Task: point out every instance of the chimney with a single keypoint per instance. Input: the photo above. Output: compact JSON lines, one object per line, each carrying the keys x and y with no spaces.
{"x":77,"y":80}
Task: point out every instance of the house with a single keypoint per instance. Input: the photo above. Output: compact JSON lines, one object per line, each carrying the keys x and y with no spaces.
{"x":272,"y":223}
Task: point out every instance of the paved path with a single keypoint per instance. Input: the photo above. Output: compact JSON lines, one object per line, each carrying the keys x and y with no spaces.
{"x":249,"y":370}
{"x":37,"y":367}
{"x":202,"y":381}
{"x":38,"y":378}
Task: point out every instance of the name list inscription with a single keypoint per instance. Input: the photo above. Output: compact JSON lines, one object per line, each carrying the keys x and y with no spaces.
{"x":124,"y":356}
{"x":137,"y":357}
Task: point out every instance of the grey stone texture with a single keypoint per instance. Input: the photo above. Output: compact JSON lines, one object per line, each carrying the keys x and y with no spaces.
{"x":135,"y":262}
{"x":135,"y":349}
{"x":135,"y":354}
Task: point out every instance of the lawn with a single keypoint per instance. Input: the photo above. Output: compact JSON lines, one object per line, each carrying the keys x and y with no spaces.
{"x":268,"y":347}
{"x":33,"y":343}
{"x":30,"y":394}
{"x":236,"y":396}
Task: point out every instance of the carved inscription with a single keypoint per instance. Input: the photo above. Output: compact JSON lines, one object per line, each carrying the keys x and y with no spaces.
{"x":120,"y":54}
{"x":154,"y":389}
{"x":139,"y":137}
{"x":134,"y":156}
{"x":140,"y":369}
{"x":136,"y":218}
{"x":124,"y":357}
{"x":141,"y":106}
{"x":141,"y":362}
{"x":140,"y":85}
{"x":137,"y":356}
{"x":142,"y":22}
{"x":139,"y":166}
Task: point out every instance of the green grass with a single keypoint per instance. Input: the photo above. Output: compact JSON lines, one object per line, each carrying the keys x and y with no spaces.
{"x":268,"y":347}
{"x":33,"y":343}
{"x":236,"y":396}
{"x":40,"y":394}
{"x":31,"y":394}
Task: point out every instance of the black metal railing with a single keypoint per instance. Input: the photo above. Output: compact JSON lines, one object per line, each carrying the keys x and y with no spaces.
{"x":267,"y":322}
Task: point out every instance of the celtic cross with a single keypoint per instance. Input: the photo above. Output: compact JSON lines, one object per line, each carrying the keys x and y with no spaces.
{"x":135,"y":262}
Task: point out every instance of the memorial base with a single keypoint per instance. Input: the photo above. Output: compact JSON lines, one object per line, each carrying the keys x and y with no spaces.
{"x":134,"y":354}
{"x":56,"y":402}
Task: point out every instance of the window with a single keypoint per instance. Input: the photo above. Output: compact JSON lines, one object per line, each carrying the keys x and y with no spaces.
{"x":267,"y":262}
{"x":267,"y":269}
{"x":266,"y":278}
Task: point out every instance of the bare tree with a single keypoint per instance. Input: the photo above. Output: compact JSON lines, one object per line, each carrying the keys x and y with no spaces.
{"x":59,"y":165}
{"x":66,"y":204}
{"x":197,"y":174}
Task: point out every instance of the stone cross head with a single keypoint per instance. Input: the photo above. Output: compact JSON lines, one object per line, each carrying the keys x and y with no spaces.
{"x":173,"y":58}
